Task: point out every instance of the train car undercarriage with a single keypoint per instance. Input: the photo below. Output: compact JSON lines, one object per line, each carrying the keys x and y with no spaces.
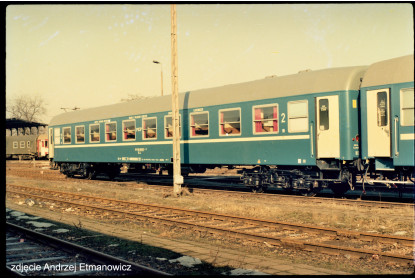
{"x":335,"y":175}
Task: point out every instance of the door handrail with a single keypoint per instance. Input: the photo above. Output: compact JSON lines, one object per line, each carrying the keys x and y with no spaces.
{"x":396,"y":136}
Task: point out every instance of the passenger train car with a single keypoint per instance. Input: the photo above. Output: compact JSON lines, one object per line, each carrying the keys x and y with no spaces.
{"x":301,"y":131}
{"x":387,"y":118}
{"x":27,"y":146}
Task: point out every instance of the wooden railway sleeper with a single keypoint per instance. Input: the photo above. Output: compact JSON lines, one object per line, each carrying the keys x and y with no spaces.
{"x":228,"y":231}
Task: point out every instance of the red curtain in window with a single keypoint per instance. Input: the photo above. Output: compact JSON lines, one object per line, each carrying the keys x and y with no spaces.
{"x":275,"y":116}
{"x":222,"y":125}
{"x":107,"y":130}
{"x":258,"y":119}
{"x":144,"y":129}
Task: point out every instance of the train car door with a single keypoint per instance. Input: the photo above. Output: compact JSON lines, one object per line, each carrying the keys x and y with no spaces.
{"x":378,"y":123}
{"x":50,"y":138}
{"x":42,"y":147}
{"x":327,"y":129}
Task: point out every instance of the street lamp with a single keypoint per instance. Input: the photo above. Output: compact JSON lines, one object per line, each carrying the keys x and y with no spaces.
{"x":157,"y":62}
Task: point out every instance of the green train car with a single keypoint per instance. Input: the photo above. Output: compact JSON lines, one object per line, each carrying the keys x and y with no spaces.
{"x":300,"y":131}
{"x":27,"y":146}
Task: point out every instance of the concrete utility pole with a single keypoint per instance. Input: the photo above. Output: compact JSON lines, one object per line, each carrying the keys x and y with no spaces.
{"x":177,"y":178}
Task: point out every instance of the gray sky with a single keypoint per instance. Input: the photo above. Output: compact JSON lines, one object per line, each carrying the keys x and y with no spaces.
{"x":93,"y":55}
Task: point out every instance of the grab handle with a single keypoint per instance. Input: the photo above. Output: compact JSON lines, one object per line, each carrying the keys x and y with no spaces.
{"x":312,"y":139}
{"x":396,"y":136}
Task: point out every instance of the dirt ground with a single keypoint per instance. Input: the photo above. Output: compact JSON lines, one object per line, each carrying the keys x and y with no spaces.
{"x":374,"y":220}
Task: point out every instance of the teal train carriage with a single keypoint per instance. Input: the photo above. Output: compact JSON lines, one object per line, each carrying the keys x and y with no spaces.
{"x":305,"y":131}
{"x":298,"y":132}
{"x":387,"y":121}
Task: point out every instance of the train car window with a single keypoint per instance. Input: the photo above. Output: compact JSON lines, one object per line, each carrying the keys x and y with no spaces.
{"x":323,"y":109}
{"x":150,"y":128}
{"x":297,"y":116}
{"x":266,"y":119}
{"x":94,"y":133}
{"x":407,"y":107}
{"x":382,"y":108}
{"x":230,"y":122}
{"x":57,"y":135}
{"x":79,"y":134}
{"x":168,"y":126}
{"x":67,"y":135}
{"x":21,"y":144}
{"x":28,"y":144}
{"x":51,"y":136}
{"x":199,"y":124}
{"x":46,"y":143}
{"x":111,"y":132}
{"x":128,"y":130}
{"x":15,"y":145}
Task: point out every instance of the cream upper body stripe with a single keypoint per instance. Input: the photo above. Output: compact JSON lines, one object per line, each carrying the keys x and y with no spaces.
{"x":408,"y":136}
{"x":193,"y":141}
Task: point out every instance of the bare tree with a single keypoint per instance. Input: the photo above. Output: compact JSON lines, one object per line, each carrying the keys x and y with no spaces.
{"x":29,"y":108}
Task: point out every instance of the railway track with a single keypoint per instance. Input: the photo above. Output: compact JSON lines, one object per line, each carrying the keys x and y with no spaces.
{"x":30,"y":253}
{"x":209,"y":184}
{"x":269,"y":232}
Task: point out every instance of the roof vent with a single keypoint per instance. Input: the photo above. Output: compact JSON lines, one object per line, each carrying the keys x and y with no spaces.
{"x":270,"y":77}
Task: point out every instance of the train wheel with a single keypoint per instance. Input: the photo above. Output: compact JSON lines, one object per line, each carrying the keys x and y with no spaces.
{"x":92,"y":174}
{"x":112,"y":174}
{"x":258,"y":189}
{"x":339,"y":189}
{"x":310,"y":192}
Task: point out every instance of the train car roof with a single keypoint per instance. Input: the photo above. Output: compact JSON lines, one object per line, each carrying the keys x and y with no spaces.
{"x":22,"y":137}
{"x":319,"y":81}
{"x":391,"y":71}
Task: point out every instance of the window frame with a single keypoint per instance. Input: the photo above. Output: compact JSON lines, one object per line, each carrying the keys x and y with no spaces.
{"x":15,"y":144}
{"x":254,"y":120}
{"x":22,"y":146}
{"x":223,"y":123}
{"x":290,"y":130}
{"x":326,"y":114}
{"x":382,"y":121}
{"x":76,"y":134}
{"x":165,"y":126}
{"x":402,"y":108}
{"x":123,"y":130}
{"x":70,"y":135}
{"x":28,"y":144}
{"x":108,"y":123}
{"x":145,"y":130}
{"x":190,"y":124}
{"x":90,"y":133}
{"x":51,"y":135}
{"x":58,"y":136}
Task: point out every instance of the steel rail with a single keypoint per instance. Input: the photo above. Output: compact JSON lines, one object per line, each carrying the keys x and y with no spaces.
{"x":406,"y":241}
{"x":309,"y":246}
{"x":92,"y":255}
{"x":49,"y":174}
